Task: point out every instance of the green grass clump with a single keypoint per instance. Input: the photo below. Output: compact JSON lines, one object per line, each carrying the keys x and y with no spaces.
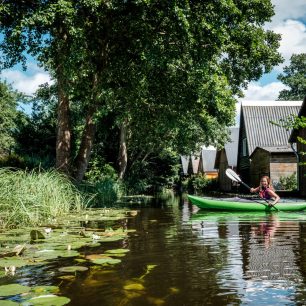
{"x":34,"y":198}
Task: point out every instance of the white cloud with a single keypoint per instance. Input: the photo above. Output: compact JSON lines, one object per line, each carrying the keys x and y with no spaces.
{"x":270,"y":91}
{"x":293,"y":9}
{"x":25,"y":83}
{"x":293,"y":41}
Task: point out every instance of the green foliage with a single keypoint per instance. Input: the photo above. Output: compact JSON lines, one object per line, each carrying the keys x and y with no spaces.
{"x":171,"y":69}
{"x":8,"y":115}
{"x":294,"y":76}
{"x":33,"y":198}
{"x":35,"y":134}
{"x":288,"y":182}
{"x":199,"y":184}
{"x":152,"y":175}
{"x":102,"y":181}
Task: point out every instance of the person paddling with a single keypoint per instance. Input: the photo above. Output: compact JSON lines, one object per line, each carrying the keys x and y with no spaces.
{"x":266,"y":191}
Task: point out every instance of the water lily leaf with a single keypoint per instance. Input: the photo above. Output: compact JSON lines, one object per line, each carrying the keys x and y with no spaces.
{"x":35,"y":234}
{"x":115,"y":255}
{"x":113,"y":238}
{"x":96,"y":256}
{"x":45,"y":289}
{"x":52,"y":254}
{"x":13,"y":289}
{"x":47,"y":300}
{"x":174,"y":290}
{"x":117,"y":251}
{"x":8,"y":303}
{"x":103,"y":261}
{"x":155,"y":301}
{"x":13,"y":261}
{"x":67,"y":277}
{"x":134,"y":286}
{"x":73,"y":269}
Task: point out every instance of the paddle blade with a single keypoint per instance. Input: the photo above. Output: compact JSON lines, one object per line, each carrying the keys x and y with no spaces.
{"x":231,"y":174}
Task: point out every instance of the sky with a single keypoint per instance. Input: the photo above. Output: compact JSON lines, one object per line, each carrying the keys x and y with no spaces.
{"x":289,"y":21}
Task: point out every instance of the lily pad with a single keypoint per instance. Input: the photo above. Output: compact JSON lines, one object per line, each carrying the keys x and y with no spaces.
{"x":73,"y":269}
{"x":134,"y":286}
{"x":117,"y":251}
{"x":52,"y":254}
{"x":47,"y":300}
{"x":67,"y":277}
{"x":13,"y":261}
{"x":8,"y":303}
{"x":35,"y":234}
{"x":105,"y":261}
{"x":13,"y":289}
{"x":45,"y":289}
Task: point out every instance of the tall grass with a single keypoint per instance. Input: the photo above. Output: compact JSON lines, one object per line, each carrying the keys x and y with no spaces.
{"x":34,"y":198}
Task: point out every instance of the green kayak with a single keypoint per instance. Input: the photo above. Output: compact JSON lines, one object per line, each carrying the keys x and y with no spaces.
{"x":239,"y":204}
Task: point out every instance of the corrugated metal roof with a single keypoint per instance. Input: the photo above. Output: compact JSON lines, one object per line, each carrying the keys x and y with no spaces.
{"x":185,"y":163}
{"x":273,"y":150}
{"x":208,"y":159}
{"x":195,"y":161}
{"x":259,"y":129}
{"x":278,"y":149}
{"x":231,"y":147}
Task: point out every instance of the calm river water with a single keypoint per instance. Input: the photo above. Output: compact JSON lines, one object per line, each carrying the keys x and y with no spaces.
{"x":179,"y":256}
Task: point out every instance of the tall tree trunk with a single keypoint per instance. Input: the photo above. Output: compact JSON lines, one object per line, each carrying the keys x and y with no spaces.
{"x":88,"y":136}
{"x":63,"y":139}
{"x":122,"y":157}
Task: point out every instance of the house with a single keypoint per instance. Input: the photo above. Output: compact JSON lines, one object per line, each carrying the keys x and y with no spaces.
{"x":194,"y":164}
{"x":227,"y":158}
{"x":202,"y":162}
{"x":275,"y":162}
{"x":300,"y":147}
{"x":185,"y":164}
{"x":274,"y":155}
{"x":207,"y":162}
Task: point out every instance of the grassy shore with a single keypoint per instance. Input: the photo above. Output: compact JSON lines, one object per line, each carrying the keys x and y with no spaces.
{"x":35,"y":198}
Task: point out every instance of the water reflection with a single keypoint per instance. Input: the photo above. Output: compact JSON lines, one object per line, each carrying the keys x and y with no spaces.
{"x":179,"y":256}
{"x":262,"y":254}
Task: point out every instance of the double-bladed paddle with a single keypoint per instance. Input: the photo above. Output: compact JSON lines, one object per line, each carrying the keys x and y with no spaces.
{"x":232,"y":175}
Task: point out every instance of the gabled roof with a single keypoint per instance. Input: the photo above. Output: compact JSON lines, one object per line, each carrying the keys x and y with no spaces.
{"x":231,"y":149}
{"x":258,"y":115}
{"x":185,"y":163}
{"x":284,"y":149}
{"x":301,"y":113}
{"x":195,"y":161}
{"x":208,"y":157}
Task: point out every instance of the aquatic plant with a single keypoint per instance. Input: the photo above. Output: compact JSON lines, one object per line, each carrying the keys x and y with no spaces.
{"x":33,"y":198}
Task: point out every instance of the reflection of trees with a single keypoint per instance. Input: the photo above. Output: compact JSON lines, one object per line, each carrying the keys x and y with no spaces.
{"x":184,"y":261}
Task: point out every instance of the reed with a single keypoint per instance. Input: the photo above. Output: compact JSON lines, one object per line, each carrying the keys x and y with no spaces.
{"x":35,"y":198}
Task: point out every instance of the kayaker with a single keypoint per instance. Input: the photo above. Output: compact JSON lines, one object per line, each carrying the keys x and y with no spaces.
{"x":266,"y":191}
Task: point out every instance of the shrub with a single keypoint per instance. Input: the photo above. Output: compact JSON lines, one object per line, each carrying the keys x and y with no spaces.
{"x":288,"y":182}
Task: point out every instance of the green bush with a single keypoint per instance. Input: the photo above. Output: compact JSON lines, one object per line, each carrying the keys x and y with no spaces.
{"x":102,"y":182}
{"x":288,"y":182}
{"x":199,"y":184}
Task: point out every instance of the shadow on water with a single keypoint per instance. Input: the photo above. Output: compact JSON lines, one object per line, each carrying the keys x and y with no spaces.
{"x":181,"y":256}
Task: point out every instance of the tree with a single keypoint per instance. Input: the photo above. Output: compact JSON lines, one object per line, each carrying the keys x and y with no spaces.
{"x":168,"y":71}
{"x":8,"y":115}
{"x":294,"y":76}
